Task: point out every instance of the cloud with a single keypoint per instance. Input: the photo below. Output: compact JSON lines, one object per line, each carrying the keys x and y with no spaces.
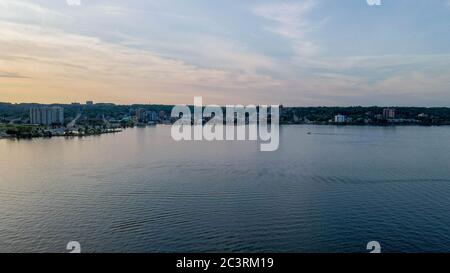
{"x":291,"y":22}
{"x":325,"y":80}
{"x":142,"y":52}
{"x":57,"y":61}
{"x":116,"y":10}
{"x":221,"y":53}
{"x":11,"y":75}
{"x":27,"y":12}
{"x":130,"y":70}
{"x":376,"y":80}
{"x":62,"y":66}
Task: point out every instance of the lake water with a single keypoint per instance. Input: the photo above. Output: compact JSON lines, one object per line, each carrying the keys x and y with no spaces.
{"x":139,"y":191}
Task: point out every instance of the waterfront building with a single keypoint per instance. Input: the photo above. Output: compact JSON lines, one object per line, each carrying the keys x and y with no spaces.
{"x":389,"y":113}
{"x":47,"y":115}
{"x":340,"y":119}
{"x":423,"y":115}
{"x":152,"y":116}
{"x":141,"y":115}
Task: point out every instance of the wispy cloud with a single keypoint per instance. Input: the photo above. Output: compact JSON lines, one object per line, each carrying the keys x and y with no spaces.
{"x":292,"y":52}
{"x":28,"y":12}
{"x":291,"y":22}
{"x":4,"y":74}
{"x":106,"y":71}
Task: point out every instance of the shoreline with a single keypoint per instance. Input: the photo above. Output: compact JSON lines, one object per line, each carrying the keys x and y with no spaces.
{"x":114,"y":131}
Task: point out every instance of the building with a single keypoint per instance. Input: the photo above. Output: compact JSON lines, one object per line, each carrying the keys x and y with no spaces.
{"x":162,"y":115}
{"x":141,"y":115}
{"x":389,"y":113}
{"x":379,"y":116}
{"x":152,"y":116}
{"x":89,"y":102}
{"x":47,"y":115}
{"x":340,"y":119}
{"x":423,"y":115}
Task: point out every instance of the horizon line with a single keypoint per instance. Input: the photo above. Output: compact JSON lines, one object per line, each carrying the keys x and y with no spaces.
{"x":161,"y":104}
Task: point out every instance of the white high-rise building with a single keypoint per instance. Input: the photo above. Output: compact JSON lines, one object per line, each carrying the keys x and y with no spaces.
{"x":340,"y":119}
{"x":47,"y":115}
{"x":389,"y":113}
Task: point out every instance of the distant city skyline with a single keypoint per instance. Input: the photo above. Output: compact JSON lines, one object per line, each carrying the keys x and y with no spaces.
{"x":295,"y":53}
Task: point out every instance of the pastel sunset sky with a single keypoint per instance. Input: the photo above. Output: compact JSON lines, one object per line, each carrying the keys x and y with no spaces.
{"x":304,"y":53}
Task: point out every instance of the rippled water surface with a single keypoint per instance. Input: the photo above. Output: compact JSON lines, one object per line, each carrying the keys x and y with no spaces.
{"x":332,"y":190}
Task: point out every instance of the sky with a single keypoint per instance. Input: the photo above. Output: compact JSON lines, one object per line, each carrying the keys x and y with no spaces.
{"x":295,"y":53}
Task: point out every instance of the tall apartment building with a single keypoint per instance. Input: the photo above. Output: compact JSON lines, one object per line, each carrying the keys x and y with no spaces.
{"x":47,"y":115}
{"x":152,"y":116}
{"x":141,"y":115}
{"x":340,"y":119}
{"x":389,"y":113}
